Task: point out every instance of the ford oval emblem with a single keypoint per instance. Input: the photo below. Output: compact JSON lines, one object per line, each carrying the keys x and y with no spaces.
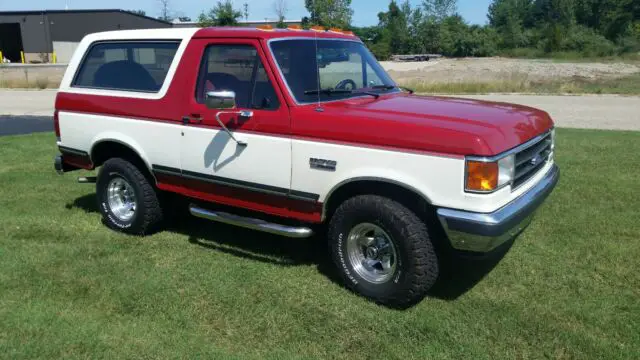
{"x":536,"y":159}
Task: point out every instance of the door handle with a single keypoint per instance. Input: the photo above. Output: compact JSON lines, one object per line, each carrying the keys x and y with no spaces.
{"x":192,"y":119}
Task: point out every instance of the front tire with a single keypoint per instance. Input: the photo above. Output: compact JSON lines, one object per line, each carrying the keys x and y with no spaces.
{"x":382,"y":250}
{"x":127,"y":200}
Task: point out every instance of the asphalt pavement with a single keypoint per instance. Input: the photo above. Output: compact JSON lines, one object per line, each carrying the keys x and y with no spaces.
{"x":15,"y":125}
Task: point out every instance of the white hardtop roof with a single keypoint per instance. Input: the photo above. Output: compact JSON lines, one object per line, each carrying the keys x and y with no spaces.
{"x":169,"y":33}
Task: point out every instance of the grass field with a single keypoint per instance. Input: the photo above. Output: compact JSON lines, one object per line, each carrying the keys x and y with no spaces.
{"x":569,"y":288}
{"x":518,"y":83}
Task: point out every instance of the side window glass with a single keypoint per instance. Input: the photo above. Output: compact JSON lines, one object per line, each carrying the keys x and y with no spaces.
{"x":128,"y":66}
{"x":237,"y":68}
{"x":264,"y":95}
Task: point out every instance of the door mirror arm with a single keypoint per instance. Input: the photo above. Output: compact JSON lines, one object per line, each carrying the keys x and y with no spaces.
{"x":242,"y":113}
{"x":223,"y":100}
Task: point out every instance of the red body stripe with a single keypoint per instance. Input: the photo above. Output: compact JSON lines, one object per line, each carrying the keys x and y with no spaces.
{"x":247,"y":199}
{"x":82,"y":162}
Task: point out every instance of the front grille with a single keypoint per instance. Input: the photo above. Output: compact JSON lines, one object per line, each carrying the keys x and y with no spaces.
{"x":531,"y":160}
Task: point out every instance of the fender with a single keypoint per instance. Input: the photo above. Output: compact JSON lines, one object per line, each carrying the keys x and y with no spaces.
{"x":124,"y":140}
{"x":345,"y":182}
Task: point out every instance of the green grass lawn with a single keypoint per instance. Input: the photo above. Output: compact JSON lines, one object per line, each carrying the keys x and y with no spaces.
{"x":70,"y":288}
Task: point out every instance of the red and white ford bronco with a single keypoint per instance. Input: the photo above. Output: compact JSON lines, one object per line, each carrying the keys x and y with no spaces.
{"x":283,"y":130}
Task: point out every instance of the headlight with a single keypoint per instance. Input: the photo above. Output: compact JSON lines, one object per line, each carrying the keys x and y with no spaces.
{"x":485,"y":176}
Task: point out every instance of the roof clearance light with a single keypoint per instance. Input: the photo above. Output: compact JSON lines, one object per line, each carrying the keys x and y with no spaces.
{"x":350,"y":33}
{"x":265,"y":27}
{"x":318,"y":28}
{"x":294,"y":27}
{"x":335,"y":30}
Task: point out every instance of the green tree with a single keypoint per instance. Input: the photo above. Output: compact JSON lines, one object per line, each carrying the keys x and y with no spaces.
{"x":223,"y":14}
{"x":415,"y":18}
{"x":509,"y":18}
{"x":556,"y":19}
{"x":280,"y":8}
{"x":395,"y":31}
{"x":439,"y":9}
{"x":138,"y":12}
{"x":329,"y":13}
{"x":555,"y":12}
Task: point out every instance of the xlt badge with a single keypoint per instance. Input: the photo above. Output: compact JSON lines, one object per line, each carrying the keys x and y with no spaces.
{"x":322,"y":164}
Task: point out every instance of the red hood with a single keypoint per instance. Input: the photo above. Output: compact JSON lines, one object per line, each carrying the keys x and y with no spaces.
{"x":438,"y":124}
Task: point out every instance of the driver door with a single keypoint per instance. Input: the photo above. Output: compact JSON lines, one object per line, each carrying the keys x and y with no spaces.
{"x":255,"y":171}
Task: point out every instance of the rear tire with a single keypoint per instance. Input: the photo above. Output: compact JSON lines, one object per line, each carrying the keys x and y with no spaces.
{"x":382,"y":250}
{"x":127,"y":200}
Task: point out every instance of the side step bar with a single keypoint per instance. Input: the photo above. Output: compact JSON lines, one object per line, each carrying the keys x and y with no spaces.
{"x":251,"y":223}
{"x":87,"y":179}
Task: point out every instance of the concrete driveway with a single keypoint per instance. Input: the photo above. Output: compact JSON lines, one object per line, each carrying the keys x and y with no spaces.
{"x":27,"y":102}
{"x":32,"y":109}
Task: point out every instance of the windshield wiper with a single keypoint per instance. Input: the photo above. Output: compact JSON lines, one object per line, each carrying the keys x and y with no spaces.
{"x":330,"y":91}
{"x":389,"y":87}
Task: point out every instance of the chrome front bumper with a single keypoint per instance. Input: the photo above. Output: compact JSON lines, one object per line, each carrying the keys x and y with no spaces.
{"x":483,"y":232}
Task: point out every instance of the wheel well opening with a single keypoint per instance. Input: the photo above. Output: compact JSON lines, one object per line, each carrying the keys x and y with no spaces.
{"x":407,"y":197}
{"x":106,"y":150}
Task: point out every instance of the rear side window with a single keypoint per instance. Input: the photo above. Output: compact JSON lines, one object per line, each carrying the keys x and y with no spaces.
{"x":129,"y":66}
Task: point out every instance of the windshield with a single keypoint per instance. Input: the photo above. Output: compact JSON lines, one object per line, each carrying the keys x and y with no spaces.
{"x":345,"y":66}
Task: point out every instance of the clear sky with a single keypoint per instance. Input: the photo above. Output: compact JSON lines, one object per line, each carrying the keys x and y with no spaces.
{"x":365,"y":11}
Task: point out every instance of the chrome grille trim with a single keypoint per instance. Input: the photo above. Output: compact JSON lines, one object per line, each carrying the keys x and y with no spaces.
{"x":515,"y":150}
{"x":532,"y":159}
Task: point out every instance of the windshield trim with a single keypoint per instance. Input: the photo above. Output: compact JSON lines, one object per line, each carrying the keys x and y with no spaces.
{"x":281,"y":74}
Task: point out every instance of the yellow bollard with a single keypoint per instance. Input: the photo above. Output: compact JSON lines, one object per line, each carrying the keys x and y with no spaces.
{"x":55,"y":58}
{"x":1,"y":58}
{"x":22,"y":56}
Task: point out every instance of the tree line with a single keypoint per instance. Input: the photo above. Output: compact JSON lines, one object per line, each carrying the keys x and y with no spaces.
{"x":587,"y":28}
{"x":516,"y":27}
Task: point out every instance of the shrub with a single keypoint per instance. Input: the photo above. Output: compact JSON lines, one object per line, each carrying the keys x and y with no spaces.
{"x":380,"y":50}
{"x":587,"y":42}
{"x":629,"y":44}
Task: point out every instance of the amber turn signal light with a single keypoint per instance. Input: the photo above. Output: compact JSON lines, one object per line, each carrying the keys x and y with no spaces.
{"x":481,"y":176}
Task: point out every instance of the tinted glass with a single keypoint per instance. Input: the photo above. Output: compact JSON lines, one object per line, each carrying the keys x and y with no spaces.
{"x":346,"y":65}
{"x":126,"y":66}
{"x":237,"y":68}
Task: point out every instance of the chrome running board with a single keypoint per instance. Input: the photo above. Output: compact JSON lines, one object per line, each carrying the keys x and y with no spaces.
{"x":87,"y":180}
{"x":251,"y":223}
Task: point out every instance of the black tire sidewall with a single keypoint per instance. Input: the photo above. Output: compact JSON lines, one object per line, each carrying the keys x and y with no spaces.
{"x":339,"y":233}
{"x":109,"y":172}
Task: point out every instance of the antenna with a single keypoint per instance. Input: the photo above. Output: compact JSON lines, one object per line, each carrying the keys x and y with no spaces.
{"x":315,"y":41}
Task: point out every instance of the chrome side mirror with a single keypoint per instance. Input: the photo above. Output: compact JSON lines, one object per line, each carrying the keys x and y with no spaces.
{"x":221,"y":99}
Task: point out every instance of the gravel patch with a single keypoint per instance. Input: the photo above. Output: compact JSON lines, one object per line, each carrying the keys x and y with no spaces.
{"x":496,"y":69}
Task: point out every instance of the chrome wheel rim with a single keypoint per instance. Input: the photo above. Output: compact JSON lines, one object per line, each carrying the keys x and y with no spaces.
{"x":121,"y":199}
{"x":371,"y":253}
